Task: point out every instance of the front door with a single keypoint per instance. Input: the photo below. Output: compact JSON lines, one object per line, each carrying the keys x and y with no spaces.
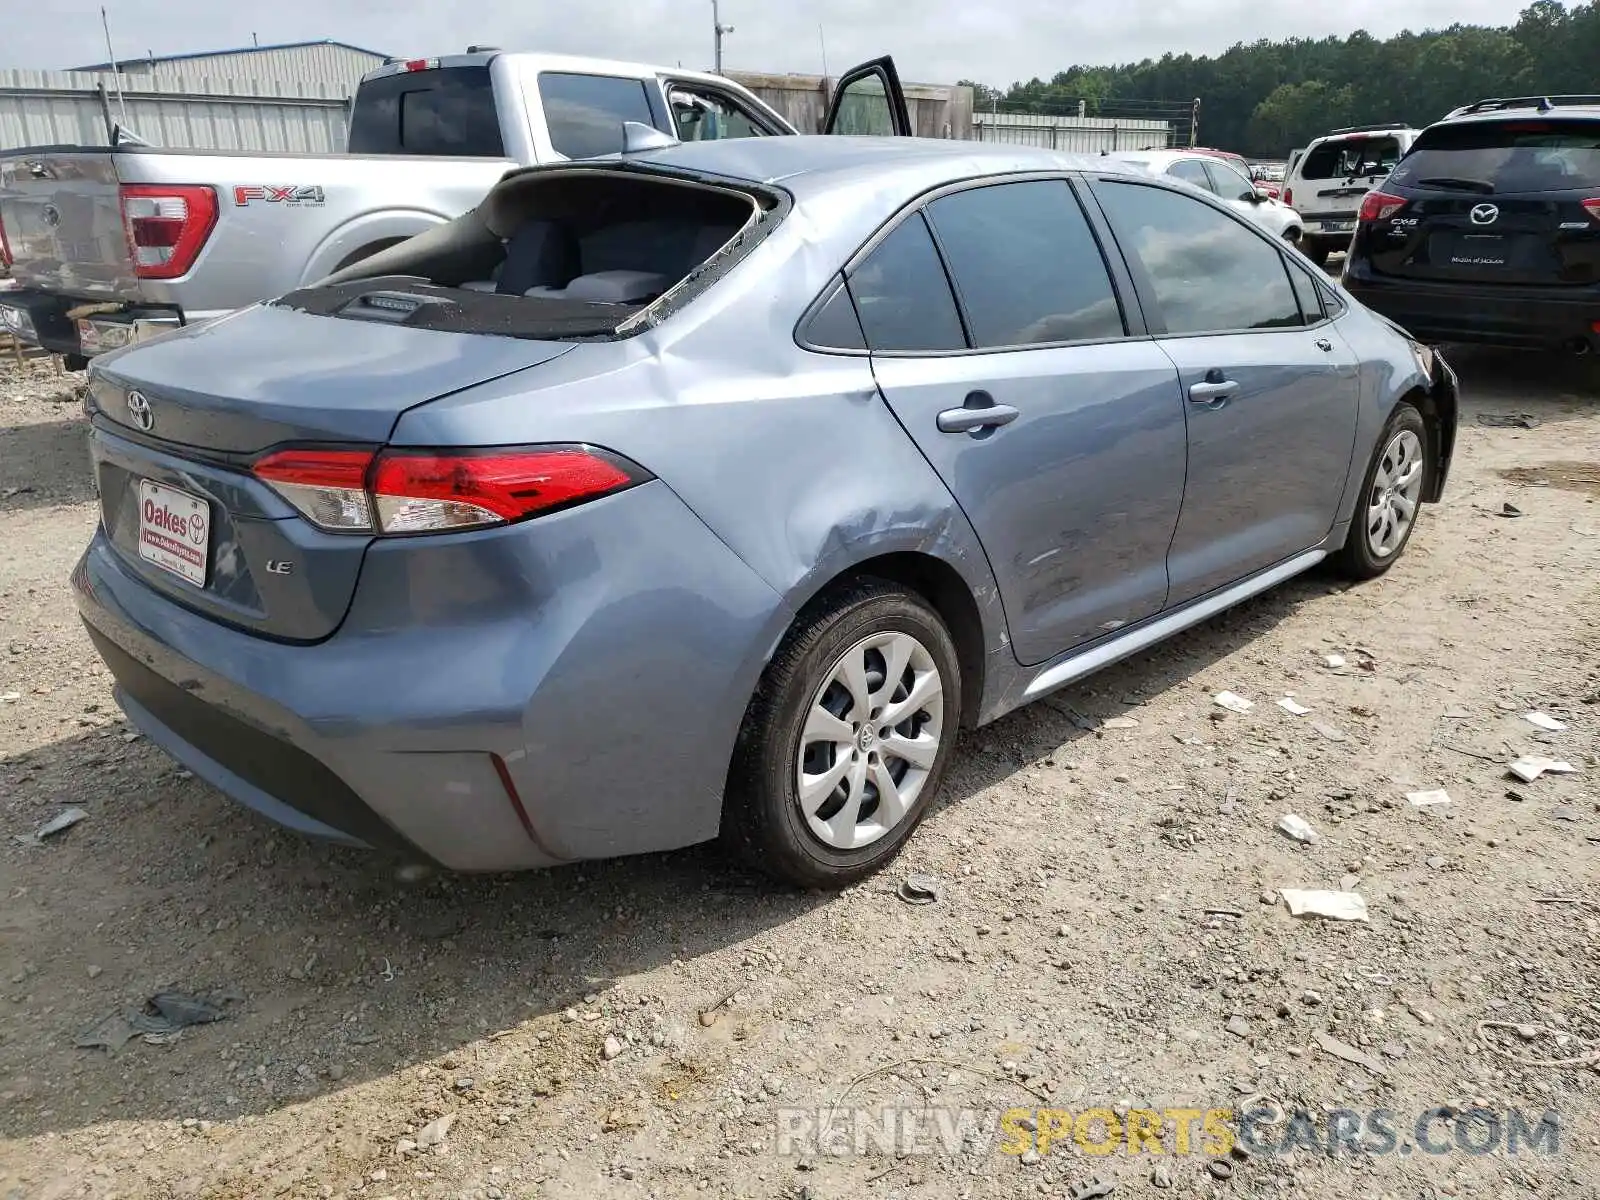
{"x":1271,"y":390}
{"x":869,"y":100}
{"x":1061,"y":437}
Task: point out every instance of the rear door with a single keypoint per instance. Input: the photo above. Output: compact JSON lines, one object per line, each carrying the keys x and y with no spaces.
{"x":1509,"y":201}
{"x":1059,"y":433}
{"x":63,"y":219}
{"x":869,"y":100}
{"x":1271,"y":390}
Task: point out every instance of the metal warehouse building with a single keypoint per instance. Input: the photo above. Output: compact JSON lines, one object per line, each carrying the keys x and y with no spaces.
{"x":290,"y":62}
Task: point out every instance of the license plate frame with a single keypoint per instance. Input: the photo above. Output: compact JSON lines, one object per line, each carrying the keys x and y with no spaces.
{"x":1341,"y":226}
{"x":174,"y":531}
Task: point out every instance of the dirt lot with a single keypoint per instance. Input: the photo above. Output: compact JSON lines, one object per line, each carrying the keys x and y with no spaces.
{"x":1106,"y":932}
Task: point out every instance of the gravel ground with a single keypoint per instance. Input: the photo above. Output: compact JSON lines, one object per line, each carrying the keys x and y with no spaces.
{"x":1106,"y":933}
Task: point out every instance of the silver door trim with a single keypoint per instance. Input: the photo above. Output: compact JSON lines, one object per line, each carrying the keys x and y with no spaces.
{"x":1075,"y":665}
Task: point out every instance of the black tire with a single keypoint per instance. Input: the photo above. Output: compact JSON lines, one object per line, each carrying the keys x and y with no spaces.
{"x":762,"y":822}
{"x":1356,"y":559}
{"x":1292,"y":235}
{"x":1317,"y":252}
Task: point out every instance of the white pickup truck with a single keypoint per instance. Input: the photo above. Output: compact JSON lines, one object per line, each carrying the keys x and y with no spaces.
{"x":108,"y":245}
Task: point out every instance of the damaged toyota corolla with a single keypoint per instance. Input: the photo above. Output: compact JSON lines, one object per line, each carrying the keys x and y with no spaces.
{"x":711,"y":489}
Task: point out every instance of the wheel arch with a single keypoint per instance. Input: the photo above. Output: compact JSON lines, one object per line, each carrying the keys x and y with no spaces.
{"x":944,"y":588}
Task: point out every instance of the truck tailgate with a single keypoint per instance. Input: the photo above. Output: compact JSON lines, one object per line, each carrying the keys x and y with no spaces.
{"x":63,"y":218}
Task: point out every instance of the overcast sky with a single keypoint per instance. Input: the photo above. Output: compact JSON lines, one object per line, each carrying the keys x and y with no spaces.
{"x":935,"y":41}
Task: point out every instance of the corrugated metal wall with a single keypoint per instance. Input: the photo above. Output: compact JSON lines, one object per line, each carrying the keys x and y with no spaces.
{"x":1079,"y":135}
{"x":42,"y":108}
{"x":312,"y":63}
{"x":937,"y":110}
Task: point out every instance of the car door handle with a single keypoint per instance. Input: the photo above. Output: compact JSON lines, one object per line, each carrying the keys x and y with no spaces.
{"x":978,"y":413}
{"x":1212,"y":392}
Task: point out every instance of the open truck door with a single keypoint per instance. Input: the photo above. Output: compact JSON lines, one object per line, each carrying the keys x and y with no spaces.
{"x":869,"y":100}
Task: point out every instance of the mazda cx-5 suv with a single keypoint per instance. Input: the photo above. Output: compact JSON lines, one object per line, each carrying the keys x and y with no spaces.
{"x":1488,"y":230}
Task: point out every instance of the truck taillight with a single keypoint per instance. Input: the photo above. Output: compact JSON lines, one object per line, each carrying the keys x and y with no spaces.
{"x":433,"y":491}
{"x":166,"y":226}
{"x":1380,"y":206}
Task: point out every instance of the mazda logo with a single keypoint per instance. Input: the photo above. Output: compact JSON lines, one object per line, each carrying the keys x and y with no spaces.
{"x":139,"y":411}
{"x":1484,"y":214}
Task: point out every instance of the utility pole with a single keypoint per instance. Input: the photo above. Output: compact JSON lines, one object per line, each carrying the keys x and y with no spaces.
{"x":1194,"y":122}
{"x":718,"y":29}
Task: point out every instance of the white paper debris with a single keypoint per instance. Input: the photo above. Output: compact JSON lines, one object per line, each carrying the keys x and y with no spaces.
{"x":1429,"y":799}
{"x":1336,"y":906}
{"x":1289,"y":705}
{"x":1530,"y":766}
{"x":63,"y":820}
{"x":1334,"y":660}
{"x":1329,"y":732}
{"x":1298,"y":828}
{"x":1233,"y":703}
{"x":1120,"y":723}
{"x":1544,"y":721}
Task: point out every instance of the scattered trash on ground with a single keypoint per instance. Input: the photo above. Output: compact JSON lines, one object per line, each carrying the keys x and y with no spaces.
{"x":62,"y":821}
{"x":164,"y":1017}
{"x":919,"y":889}
{"x":1563,"y":1040}
{"x":1429,"y":799}
{"x":710,"y":1013}
{"x":1298,"y":828}
{"x":1508,"y":420}
{"x":1508,"y":509}
{"x":1332,"y":1045}
{"x":1336,"y":906}
{"x":10,"y":697}
{"x":1544,"y":721}
{"x":1233,"y":703}
{"x":1291,"y":706}
{"x":1329,"y":732}
{"x":1530,"y":766}
{"x":1334,"y":661}
{"x":1120,"y":723}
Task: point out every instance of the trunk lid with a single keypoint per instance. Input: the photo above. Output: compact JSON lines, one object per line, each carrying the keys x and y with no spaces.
{"x":178,"y":501}
{"x":62,"y":213}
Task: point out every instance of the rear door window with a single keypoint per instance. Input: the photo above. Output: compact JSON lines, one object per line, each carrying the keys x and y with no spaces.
{"x":1026,"y":265}
{"x":1228,"y":183}
{"x":447,"y":111}
{"x":903,"y":296}
{"x":1348,"y":158}
{"x":1505,"y":156}
{"x":585,"y":113}
{"x":1191,"y":170}
{"x":1210,"y":272}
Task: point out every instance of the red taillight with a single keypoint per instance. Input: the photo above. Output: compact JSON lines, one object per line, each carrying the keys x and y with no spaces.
{"x":166,"y":226}
{"x":1380,"y":206}
{"x":430,"y":491}
{"x":5,"y":247}
{"x":1288,"y":196}
{"x":1590,"y":206}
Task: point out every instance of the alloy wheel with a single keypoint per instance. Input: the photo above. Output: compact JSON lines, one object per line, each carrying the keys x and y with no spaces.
{"x":1396,"y":491}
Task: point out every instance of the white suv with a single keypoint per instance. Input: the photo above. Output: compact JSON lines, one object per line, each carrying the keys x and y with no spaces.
{"x":1328,"y":178}
{"x":1221,"y":178}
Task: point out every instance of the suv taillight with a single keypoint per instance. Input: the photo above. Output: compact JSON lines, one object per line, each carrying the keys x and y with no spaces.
{"x":1590,"y":206}
{"x":432,"y":491}
{"x":1379,"y":206}
{"x":1288,"y":196}
{"x":166,"y":226}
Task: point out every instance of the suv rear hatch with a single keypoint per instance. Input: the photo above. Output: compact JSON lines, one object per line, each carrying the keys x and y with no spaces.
{"x":1508,"y":200}
{"x":179,"y":424}
{"x":62,"y":213}
{"x":1334,"y":175}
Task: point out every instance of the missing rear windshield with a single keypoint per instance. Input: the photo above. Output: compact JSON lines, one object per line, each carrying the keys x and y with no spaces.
{"x":556,"y":253}
{"x":1348,"y":158}
{"x":1505,"y":156}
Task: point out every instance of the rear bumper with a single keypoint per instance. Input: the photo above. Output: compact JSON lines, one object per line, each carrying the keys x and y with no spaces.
{"x":42,"y":319}
{"x":473,"y":710}
{"x":1531,"y":318}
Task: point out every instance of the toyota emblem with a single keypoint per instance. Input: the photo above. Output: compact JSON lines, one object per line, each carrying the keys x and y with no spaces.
{"x":1484,"y":214}
{"x":139,"y":410}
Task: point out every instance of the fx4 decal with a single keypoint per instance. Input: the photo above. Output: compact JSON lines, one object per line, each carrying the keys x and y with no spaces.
{"x":293,"y":195}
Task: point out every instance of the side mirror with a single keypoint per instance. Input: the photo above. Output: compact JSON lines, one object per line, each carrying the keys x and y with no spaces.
{"x":1258,"y":196}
